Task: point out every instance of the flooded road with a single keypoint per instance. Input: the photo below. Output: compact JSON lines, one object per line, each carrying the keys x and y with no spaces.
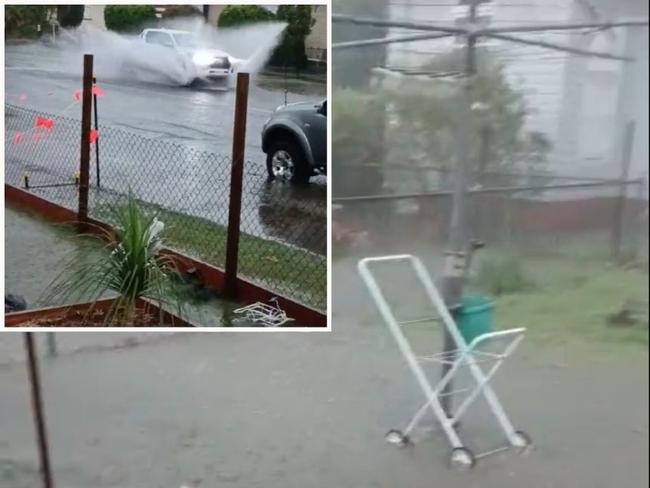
{"x":172,"y":144}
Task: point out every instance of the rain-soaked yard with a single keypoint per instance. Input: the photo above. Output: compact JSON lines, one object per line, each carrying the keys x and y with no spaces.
{"x":36,"y":252}
{"x":311,"y":410}
{"x":249,"y":410}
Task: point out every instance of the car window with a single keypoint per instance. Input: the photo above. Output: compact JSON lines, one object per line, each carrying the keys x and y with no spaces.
{"x":161,"y":38}
{"x":185,"y":40}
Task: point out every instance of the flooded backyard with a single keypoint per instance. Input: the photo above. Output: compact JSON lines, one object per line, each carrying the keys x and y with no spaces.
{"x":36,"y":251}
{"x":311,"y":410}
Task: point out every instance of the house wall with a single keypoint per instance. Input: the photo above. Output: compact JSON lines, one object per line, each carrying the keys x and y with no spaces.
{"x":94,"y":16}
{"x":316,"y":42}
{"x":572,"y":99}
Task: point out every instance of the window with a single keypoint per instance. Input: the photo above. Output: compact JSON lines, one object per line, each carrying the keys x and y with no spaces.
{"x":186,"y":40}
{"x":161,"y":38}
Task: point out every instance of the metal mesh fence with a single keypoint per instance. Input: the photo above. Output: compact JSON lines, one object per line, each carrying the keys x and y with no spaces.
{"x":283,"y":233}
{"x":528,"y":216}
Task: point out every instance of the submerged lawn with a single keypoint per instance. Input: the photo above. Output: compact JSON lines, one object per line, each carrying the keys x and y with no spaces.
{"x":288,"y":270}
{"x":574,"y":293}
{"x":573,"y":301}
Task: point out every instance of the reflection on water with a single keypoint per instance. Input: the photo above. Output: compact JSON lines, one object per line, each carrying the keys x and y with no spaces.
{"x":295,"y":215}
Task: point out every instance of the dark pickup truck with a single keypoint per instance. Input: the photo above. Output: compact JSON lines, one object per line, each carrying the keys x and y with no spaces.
{"x":295,"y":142}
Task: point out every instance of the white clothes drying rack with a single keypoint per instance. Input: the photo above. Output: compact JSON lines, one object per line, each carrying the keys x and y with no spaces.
{"x":464,"y":355}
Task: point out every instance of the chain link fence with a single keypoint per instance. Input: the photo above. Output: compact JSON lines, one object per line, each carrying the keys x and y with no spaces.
{"x":283,"y":232}
{"x":544,"y":214}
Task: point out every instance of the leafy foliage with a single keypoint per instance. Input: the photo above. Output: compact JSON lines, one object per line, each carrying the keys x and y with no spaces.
{"x":70,"y":15}
{"x":291,"y":51}
{"x":423,"y":121}
{"x":130,"y":267}
{"x":502,"y":276}
{"x":21,"y":20}
{"x":125,"y":18}
{"x":236,"y":15}
{"x":357,"y":127}
{"x":180,"y":11}
{"x":352,"y":69}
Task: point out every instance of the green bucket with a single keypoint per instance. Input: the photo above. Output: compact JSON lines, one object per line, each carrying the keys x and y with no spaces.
{"x":474,"y":317}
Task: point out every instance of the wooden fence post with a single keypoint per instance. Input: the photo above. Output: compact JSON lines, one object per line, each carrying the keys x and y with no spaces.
{"x":84,"y":159}
{"x":236,"y":183}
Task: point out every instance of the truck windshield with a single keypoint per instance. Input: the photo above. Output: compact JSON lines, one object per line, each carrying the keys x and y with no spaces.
{"x":186,"y":40}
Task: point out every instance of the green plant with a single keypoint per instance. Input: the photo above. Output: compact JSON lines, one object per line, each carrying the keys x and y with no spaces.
{"x":124,"y":18}
{"x":22,"y":20}
{"x":428,"y":118}
{"x":291,"y":51}
{"x":357,"y":127}
{"x":236,"y":15}
{"x":70,"y":15}
{"x":180,"y":11}
{"x":130,"y":267}
{"x":502,"y":276}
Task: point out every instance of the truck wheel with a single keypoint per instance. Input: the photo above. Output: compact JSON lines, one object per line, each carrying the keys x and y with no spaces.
{"x":286,"y":161}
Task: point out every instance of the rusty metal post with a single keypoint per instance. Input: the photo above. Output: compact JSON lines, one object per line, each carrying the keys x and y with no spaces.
{"x":84,"y":160}
{"x":619,"y":209}
{"x":236,"y":183}
{"x":37,"y":409}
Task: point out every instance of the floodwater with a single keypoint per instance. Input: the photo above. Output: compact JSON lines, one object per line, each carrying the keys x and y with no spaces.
{"x":193,"y":176}
{"x":35,"y":251}
{"x":310,"y":410}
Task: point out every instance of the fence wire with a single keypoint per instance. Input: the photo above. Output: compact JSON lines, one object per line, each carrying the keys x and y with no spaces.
{"x":547,"y":216}
{"x":283,"y":230}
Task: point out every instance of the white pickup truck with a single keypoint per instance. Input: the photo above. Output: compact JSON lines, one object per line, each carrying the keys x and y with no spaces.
{"x":207,"y":64}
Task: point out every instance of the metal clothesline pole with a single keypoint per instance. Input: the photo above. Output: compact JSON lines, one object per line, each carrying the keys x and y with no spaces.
{"x":388,"y":40}
{"x":495,"y":32}
{"x":489,"y":30}
{"x":455,"y":255}
{"x":559,"y":47}
{"x":559,"y":27}
{"x":402,"y":25}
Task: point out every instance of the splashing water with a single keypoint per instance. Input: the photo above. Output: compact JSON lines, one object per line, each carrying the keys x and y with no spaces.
{"x":124,"y":57}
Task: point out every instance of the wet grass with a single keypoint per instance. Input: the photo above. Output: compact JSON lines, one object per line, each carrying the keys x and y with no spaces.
{"x":571,"y":297}
{"x":577,"y":303}
{"x":287,"y":270}
{"x":575,"y":293}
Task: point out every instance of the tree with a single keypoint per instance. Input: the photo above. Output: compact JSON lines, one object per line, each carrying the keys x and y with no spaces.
{"x":181,"y":11}
{"x":291,"y":51}
{"x":426,"y":118}
{"x":70,"y":15}
{"x":357,"y":160}
{"x":236,"y":15}
{"x":126,"y":18}
{"x":22,"y":20}
{"x":357,"y":132}
{"x":423,"y":123}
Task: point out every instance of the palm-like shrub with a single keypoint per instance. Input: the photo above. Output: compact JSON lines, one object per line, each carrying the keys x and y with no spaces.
{"x":130,"y":267}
